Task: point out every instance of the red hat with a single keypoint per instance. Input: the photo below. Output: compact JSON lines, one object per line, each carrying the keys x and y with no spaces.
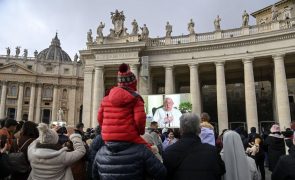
{"x":126,"y":77}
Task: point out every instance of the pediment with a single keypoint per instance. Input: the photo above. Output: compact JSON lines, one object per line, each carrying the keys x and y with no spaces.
{"x":14,"y":68}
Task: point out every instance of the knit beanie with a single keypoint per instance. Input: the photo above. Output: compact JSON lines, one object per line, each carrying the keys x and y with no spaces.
{"x":125,"y":77}
{"x":46,"y":135}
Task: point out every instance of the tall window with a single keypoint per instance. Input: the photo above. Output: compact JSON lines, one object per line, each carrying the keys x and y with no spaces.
{"x":28,"y":92}
{"x":47,"y":92}
{"x":12,"y":91}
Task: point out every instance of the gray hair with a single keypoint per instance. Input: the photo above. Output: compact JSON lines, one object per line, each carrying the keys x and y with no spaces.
{"x":189,"y":123}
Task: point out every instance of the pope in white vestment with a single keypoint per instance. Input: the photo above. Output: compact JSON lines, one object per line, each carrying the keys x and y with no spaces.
{"x":167,"y":116}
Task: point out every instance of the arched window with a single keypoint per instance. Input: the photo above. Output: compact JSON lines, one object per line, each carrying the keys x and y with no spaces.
{"x":47,"y":92}
{"x":28,"y":92}
{"x":64,"y":94}
{"x":12,"y":90}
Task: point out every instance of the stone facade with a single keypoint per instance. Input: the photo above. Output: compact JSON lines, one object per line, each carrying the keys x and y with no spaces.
{"x":34,"y":88}
{"x":256,"y":62}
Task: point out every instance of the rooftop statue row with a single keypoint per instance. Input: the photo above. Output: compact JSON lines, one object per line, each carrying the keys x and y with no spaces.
{"x":17,"y":52}
{"x":119,"y":30}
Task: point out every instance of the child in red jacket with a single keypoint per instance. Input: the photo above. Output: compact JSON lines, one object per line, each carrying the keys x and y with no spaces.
{"x":121,"y":114}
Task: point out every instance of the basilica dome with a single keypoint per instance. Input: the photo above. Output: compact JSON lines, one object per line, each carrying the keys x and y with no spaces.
{"x":54,"y":52}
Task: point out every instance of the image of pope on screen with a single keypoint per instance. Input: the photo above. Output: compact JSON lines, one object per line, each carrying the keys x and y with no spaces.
{"x":167,"y":116}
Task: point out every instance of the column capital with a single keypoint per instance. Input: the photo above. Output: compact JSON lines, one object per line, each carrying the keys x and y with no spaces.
{"x":219,"y":63}
{"x":168,"y":66}
{"x":88,"y":69}
{"x":56,"y":86}
{"x":4,"y":82}
{"x":21,"y":83}
{"x":278,"y":56}
{"x":193,"y":65}
{"x":99,"y":67}
{"x":247,"y":60}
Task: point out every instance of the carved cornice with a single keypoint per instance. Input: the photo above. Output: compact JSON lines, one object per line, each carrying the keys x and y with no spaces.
{"x":222,"y":43}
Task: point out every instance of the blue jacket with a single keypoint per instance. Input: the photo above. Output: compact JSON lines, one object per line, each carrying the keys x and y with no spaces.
{"x":126,"y":161}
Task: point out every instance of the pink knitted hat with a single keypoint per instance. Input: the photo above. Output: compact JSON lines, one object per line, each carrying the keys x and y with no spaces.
{"x":275,"y":128}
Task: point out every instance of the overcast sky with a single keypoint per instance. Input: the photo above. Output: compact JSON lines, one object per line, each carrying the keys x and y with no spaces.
{"x":32,"y":24}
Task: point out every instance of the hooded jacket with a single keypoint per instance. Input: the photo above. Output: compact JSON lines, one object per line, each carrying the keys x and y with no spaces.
{"x":48,"y":163}
{"x":121,"y":116}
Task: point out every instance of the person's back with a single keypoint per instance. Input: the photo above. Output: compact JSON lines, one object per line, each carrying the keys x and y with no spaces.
{"x":127,"y":161}
{"x":284,"y":169}
{"x":189,"y":158}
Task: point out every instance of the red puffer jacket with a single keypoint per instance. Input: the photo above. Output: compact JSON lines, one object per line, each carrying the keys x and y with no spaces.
{"x":121,"y":116}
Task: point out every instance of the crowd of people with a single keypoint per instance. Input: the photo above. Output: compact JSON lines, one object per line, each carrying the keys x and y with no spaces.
{"x":121,"y":147}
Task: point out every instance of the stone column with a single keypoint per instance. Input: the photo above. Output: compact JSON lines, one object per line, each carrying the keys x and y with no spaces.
{"x":284,"y":116}
{"x":54,"y":103}
{"x":3,"y":99}
{"x":195,"y":89}
{"x":250,"y":94}
{"x":98,"y":92}
{"x":38,"y":105}
{"x":32,"y":103}
{"x":169,"y":82}
{"x":134,"y":69}
{"x":87,"y":96}
{"x":20,"y":101}
{"x":72,"y":106}
{"x":221,"y":97}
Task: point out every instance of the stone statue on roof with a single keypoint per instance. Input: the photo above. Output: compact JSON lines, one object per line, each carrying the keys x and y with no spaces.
{"x":100,"y":29}
{"x":118,"y":19}
{"x":25,"y":53}
{"x":168,"y":29}
{"x":245,"y":18}
{"x":8,"y":51}
{"x":89,"y":36}
{"x":17,"y":51}
{"x":134,"y":27}
{"x":217,"y":23}
{"x":145,"y":32}
{"x":191,"y":27}
{"x":35,"y":54}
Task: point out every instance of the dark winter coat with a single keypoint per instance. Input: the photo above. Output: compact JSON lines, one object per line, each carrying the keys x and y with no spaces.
{"x":276,"y":148}
{"x":190,"y":159}
{"x":96,"y":144}
{"x":285,"y":167}
{"x":122,"y":117}
{"x":127,"y":161}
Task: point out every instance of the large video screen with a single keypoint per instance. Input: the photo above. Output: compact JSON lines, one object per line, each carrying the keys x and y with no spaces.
{"x":169,"y":115}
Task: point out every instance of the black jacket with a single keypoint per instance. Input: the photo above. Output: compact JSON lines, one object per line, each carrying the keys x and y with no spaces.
{"x":285,"y":167}
{"x":190,"y":159}
{"x":276,"y":148}
{"x":127,"y":161}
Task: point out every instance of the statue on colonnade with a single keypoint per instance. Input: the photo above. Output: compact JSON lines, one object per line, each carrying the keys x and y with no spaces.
{"x":145,"y":32}
{"x":168,"y":29}
{"x":100,"y":29}
{"x":8,"y":51}
{"x":134,"y":27}
{"x":217,"y":23}
{"x":89,"y":36}
{"x":191,"y":27}
{"x":245,"y":18}
{"x":118,"y":19}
